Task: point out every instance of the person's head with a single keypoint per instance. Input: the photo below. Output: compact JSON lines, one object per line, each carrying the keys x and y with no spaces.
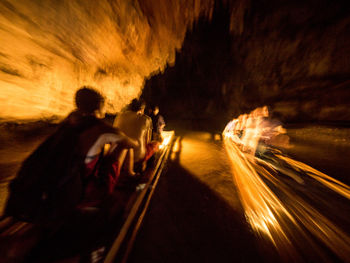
{"x":155,"y":110}
{"x":142,"y":107}
{"x":148,"y":111}
{"x":88,"y":100}
{"x":137,"y":106}
{"x":265,"y":111}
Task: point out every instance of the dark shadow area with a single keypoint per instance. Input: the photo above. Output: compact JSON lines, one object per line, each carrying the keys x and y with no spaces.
{"x":19,"y":133}
{"x":83,"y":233}
{"x":327,"y":203}
{"x":18,"y":140}
{"x":331,"y":160}
{"x":325,"y":148}
{"x":207,"y":125}
{"x":190,"y":91}
{"x":189,"y":222}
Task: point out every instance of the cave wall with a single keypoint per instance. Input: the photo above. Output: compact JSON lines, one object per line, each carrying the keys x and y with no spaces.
{"x":221,"y":58}
{"x":291,"y":55}
{"x":49,"y":48}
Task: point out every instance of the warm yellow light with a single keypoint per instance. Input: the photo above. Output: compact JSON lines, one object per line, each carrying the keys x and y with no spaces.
{"x":167,"y":136}
{"x":176,"y":147}
{"x":49,"y":49}
{"x":106,"y":147}
{"x":217,"y":137}
{"x":278,"y":218}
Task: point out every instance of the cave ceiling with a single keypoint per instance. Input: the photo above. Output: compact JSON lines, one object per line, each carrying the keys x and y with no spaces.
{"x":50,"y":48}
{"x":198,"y":58}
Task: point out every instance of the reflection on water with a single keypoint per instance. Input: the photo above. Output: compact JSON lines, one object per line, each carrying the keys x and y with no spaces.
{"x":302,"y":211}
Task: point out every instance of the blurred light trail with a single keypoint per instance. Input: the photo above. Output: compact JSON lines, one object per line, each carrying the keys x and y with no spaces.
{"x":301,"y":216}
{"x":328,"y":181}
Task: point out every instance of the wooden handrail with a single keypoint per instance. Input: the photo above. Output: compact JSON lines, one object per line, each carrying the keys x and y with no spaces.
{"x":113,"y":251}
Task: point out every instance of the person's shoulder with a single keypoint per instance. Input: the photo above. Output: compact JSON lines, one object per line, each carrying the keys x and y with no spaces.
{"x":124,"y":115}
{"x":73,"y":118}
{"x":147,"y":118}
{"x":77,"y":119}
{"x":103,"y":124}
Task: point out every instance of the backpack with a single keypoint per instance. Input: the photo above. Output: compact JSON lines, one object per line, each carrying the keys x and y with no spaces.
{"x":49,"y":184}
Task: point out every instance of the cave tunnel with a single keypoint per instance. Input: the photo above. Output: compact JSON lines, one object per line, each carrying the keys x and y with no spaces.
{"x":256,"y":92}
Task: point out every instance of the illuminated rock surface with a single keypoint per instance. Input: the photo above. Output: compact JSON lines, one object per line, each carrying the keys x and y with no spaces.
{"x":293,"y":56}
{"x":50,"y":48}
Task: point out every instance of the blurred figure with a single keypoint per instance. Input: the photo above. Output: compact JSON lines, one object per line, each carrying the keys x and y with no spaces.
{"x":241,"y":125}
{"x":56,"y":178}
{"x":230,"y":127}
{"x":148,"y":111}
{"x":251,"y":133}
{"x":274,"y":134}
{"x":158,"y":124}
{"x":138,"y":126}
{"x":256,"y":132}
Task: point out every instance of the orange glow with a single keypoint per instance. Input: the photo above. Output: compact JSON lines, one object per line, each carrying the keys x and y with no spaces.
{"x":167,"y":135}
{"x":283,"y":216}
{"x":51,"y":48}
{"x":259,"y":202}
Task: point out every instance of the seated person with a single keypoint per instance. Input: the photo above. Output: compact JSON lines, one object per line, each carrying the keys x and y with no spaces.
{"x":53,"y":180}
{"x":138,"y":126}
{"x":158,"y":124}
{"x":93,"y":140}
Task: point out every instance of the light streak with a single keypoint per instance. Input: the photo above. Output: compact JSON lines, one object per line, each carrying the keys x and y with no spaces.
{"x":276,"y":207}
{"x":328,"y":181}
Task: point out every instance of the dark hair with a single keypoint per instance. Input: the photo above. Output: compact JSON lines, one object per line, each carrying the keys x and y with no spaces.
{"x":155,"y":107}
{"x":136,"y":105}
{"x":88,"y":100}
